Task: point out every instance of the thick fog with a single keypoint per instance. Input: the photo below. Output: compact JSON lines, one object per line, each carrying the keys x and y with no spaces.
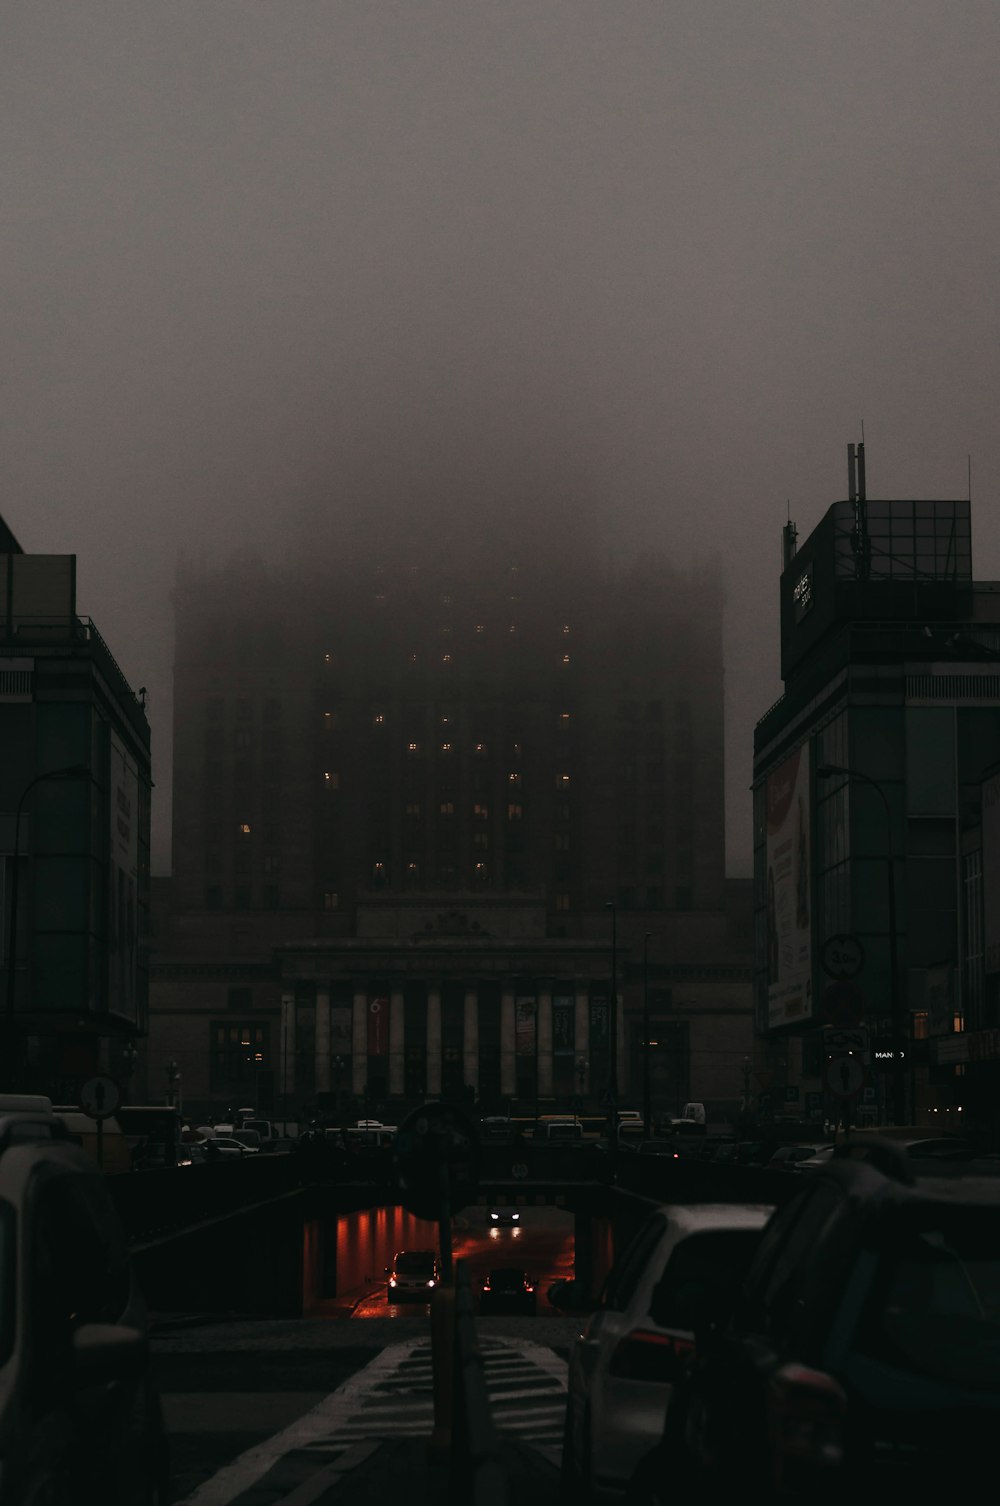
{"x":643,"y":268}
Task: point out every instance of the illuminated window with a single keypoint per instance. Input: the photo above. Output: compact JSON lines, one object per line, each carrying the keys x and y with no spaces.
{"x":332,"y":779}
{"x":480,"y":747}
{"x":413,"y":747}
{"x":446,"y":747}
{"x":327,"y":716}
{"x":446,"y":658}
{"x":328,"y":658}
{"x":379,"y":719}
{"x":515,"y":812}
{"x":446,"y":601}
{"x":564,"y":717}
{"x":565,"y":658}
{"x":565,"y":627}
{"x":245,"y":828}
{"x":481,"y":812}
{"x":562,"y":781}
{"x":445,"y":721}
{"x":411,"y":868}
{"x":480,"y":870}
{"x":562,"y":901}
{"x":513,"y":628}
{"x":446,"y":808}
{"x":517,"y":750}
{"x":515,"y":780}
{"x":413,"y":658}
{"x":480,"y":627}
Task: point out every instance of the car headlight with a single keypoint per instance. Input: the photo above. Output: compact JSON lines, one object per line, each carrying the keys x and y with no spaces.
{"x":430,"y":1283}
{"x":494,"y":1216}
{"x":515,"y":1216}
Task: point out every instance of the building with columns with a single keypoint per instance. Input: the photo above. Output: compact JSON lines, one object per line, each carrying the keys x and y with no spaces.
{"x":417,"y":806}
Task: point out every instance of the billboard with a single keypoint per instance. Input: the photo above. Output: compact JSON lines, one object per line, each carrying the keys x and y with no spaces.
{"x":991,"y":872}
{"x":123,"y":882}
{"x":789,"y":949}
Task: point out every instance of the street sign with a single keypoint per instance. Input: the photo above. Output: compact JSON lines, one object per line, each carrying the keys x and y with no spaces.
{"x":851,"y":1040}
{"x":436,"y":1155}
{"x":100,"y":1097}
{"x":843,"y":1003}
{"x":842,"y":957}
{"x":844,"y":1076}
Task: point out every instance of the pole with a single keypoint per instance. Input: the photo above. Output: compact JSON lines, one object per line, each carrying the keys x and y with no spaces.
{"x":612,"y":1093}
{"x":646,"y":1095}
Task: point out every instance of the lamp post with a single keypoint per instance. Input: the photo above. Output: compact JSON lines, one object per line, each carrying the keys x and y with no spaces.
{"x":74,"y":771}
{"x":646,"y":1097}
{"x":833,"y":771}
{"x":612,"y":1091}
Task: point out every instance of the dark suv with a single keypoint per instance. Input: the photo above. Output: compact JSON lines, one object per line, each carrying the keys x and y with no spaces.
{"x":860,"y":1354}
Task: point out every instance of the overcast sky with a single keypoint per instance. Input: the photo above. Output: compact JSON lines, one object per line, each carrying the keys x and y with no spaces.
{"x":683,"y":250}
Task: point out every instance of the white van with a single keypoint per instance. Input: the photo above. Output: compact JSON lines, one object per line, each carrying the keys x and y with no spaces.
{"x":559,"y":1131}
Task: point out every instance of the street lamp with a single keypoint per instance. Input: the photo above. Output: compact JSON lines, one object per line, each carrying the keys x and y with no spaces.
{"x":612,"y":1093}
{"x":834,"y":771}
{"x":74,"y":771}
{"x":646,"y":1099}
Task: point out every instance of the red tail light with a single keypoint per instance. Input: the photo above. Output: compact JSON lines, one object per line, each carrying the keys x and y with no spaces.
{"x":646,"y":1355}
{"x":528,"y":1287}
{"x":806,"y":1412}
{"x":486,"y":1286}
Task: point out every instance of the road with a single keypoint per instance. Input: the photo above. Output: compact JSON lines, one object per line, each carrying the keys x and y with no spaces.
{"x":252,"y":1406}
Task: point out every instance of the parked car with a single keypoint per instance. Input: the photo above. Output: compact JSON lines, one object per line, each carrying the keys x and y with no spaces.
{"x":495,"y":1128}
{"x":507,"y":1290}
{"x":558,"y":1131}
{"x":668,"y":1148}
{"x":622,"y":1366}
{"x":80,"y":1416}
{"x":229,"y":1146}
{"x":860,"y":1359}
{"x":785,"y":1157}
{"x":504,"y":1214}
{"x":413,"y":1275}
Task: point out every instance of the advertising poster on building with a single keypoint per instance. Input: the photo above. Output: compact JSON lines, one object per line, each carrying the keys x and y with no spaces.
{"x":563,"y":1023}
{"x":524,"y":1026}
{"x":123,"y":881}
{"x":789,"y":898}
{"x":378,"y":1025}
{"x":991,"y":872}
{"x":598,"y":1022}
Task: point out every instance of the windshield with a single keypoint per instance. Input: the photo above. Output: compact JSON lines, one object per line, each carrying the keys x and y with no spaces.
{"x":415,"y":1263}
{"x":935,"y":1307}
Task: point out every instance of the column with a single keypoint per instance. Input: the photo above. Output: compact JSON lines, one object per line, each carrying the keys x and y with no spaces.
{"x":359,"y":1043}
{"x":287,"y":1052}
{"x":397,"y":1044}
{"x":508,"y":1069}
{"x":434,"y":1039}
{"x":582,"y":1039}
{"x":322,"y":1040}
{"x":544,"y":1043}
{"x":470,"y":1039}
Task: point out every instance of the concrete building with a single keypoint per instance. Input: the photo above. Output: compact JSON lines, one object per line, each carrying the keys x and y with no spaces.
{"x":867,"y":794}
{"x":74,"y":836}
{"x":412,"y":803}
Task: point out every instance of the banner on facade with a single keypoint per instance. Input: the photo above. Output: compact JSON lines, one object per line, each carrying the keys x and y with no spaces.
{"x":563,"y":1024}
{"x":524,"y":1025}
{"x":340,"y":1031}
{"x":789,"y":941}
{"x":378,"y":1025}
{"x":123,"y":881}
{"x":598,"y":1022}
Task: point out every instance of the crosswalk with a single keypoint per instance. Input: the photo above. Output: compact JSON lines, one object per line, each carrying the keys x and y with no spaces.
{"x":393,"y":1397}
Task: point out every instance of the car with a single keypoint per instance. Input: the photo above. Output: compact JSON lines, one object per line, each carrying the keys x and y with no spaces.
{"x":505,"y":1215}
{"x":859,"y":1358}
{"x":507,"y":1290}
{"x":785,"y":1157}
{"x":80,"y":1414}
{"x":413,"y":1276}
{"x":495,"y":1128}
{"x":668,"y":1148}
{"x":622,"y":1366}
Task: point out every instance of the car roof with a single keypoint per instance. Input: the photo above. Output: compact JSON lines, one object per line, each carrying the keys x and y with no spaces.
{"x":693,"y":1217}
{"x":863,"y":1177}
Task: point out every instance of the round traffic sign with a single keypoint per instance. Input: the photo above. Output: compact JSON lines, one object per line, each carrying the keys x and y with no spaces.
{"x":844,"y":1076}
{"x":842,"y":956}
{"x":100,"y":1097}
{"x":436,"y":1155}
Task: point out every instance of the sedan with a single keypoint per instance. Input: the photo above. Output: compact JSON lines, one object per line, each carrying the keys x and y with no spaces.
{"x":623,"y":1366}
{"x":507,"y":1290}
{"x":504,"y":1216}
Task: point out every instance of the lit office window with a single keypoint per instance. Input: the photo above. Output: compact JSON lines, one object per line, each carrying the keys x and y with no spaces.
{"x":447,"y":808}
{"x":332,"y":779}
{"x":565,"y":627}
{"x":515,"y":812}
{"x":481,"y":812}
{"x":413,"y":747}
{"x":562,"y":781}
{"x":446,"y":658}
{"x":480,"y":627}
{"x":245,"y":828}
{"x":481,"y":748}
{"x":446,"y":747}
{"x":565,"y":658}
{"x":379,"y":719}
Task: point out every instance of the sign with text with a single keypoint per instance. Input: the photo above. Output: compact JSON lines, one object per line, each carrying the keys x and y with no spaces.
{"x":789,"y":938}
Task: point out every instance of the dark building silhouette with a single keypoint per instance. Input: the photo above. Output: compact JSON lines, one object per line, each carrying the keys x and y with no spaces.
{"x":405,"y":792}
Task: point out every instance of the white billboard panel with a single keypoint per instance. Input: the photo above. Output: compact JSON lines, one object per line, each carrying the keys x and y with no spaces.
{"x":789,"y":941}
{"x":991,"y":872}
